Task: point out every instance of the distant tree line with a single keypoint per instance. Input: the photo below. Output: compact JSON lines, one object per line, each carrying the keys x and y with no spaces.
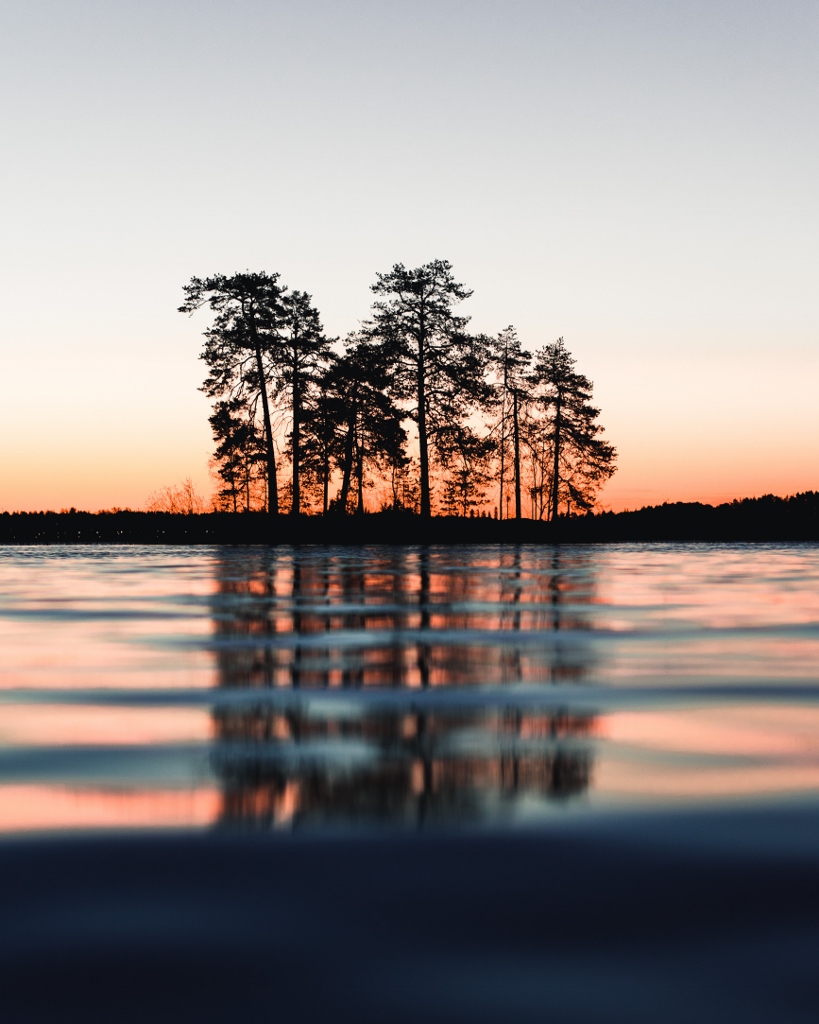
{"x":412,"y":411}
{"x":766,"y":519}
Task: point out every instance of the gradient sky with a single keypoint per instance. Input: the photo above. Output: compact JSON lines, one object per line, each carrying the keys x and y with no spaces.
{"x":638,"y":177}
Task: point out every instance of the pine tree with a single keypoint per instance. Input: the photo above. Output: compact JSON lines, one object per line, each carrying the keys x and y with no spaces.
{"x":436,"y":366}
{"x":295,"y":364}
{"x":581,"y":460}
{"x":367,"y":424}
{"x":510,"y":363}
{"x":465,"y":458}
{"x":238,"y":345}
{"x":239,"y":455}
{"x":320,"y":432}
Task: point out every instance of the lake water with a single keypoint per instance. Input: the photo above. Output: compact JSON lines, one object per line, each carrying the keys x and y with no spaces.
{"x":324,"y":688}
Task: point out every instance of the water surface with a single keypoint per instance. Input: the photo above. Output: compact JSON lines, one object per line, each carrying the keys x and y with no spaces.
{"x":321,"y":687}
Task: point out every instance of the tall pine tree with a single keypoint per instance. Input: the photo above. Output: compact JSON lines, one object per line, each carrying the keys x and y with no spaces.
{"x":581,"y":460}
{"x":238,"y":346}
{"x":437,"y":367}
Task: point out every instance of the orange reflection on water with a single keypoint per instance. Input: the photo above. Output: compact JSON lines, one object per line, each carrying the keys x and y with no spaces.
{"x":54,"y":725}
{"x":779,"y":744}
{"x":714,"y":587}
{"x":659,"y":781}
{"x":69,"y":655}
{"x":100,"y":618}
{"x":25,"y":808}
{"x":659,"y":619}
{"x":749,"y":730}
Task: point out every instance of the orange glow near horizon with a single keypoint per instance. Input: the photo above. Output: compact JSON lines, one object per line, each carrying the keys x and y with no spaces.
{"x":665,"y":453}
{"x":618,"y":496}
{"x":727,"y":478}
{"x":645,"y":476}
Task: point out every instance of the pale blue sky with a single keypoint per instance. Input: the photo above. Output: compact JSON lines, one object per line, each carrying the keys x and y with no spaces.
{"x":637,"y":177}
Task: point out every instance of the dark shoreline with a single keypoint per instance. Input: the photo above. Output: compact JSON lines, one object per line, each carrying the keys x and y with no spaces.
{"x":769,"y":518}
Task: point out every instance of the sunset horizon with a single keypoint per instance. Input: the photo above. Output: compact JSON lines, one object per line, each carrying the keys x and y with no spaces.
{"x":640,"y":182}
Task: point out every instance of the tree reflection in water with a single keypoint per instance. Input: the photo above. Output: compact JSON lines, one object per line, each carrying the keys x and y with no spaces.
{"x":294,"y":625}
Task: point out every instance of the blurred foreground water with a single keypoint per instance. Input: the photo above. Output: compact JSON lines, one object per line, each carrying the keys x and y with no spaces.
{"x":321,"y":687}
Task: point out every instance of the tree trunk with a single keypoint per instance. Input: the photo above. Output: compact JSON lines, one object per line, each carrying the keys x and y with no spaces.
{"x":503,"y":432}
{"x":360,"y":480}
{"x":326,"y":474}
{"x":423,"y":447}
{"x":556,"y":462}
{"x":272,"y":484}
{"x":516,"y":436}
{"x":348,"y":468}
{"x":295,"y":507}
{"x":394,"y":482}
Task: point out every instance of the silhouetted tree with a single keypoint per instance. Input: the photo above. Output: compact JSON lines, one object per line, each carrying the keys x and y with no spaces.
{"x":464,"y":455}
{"x":295,"y":362}
{"x":581,"y":460}
{"x":535,"y":432}
{"x":248,"y":308}
{"x":369,"y":424}
{"x":404,"y":489}
{"x":320,"y":431}
{"x":510,"y":364}
{"x":239,"y":454}
{"x":436,"y":365}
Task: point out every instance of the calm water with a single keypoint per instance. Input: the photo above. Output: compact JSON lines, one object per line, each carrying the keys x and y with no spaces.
{"x":326,"y":687}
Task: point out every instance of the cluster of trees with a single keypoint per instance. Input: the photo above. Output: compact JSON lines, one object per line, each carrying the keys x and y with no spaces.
{"x":412,"y":411}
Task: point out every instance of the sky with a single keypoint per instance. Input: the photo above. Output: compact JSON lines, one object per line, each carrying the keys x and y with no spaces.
{"x":636,"y":177}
